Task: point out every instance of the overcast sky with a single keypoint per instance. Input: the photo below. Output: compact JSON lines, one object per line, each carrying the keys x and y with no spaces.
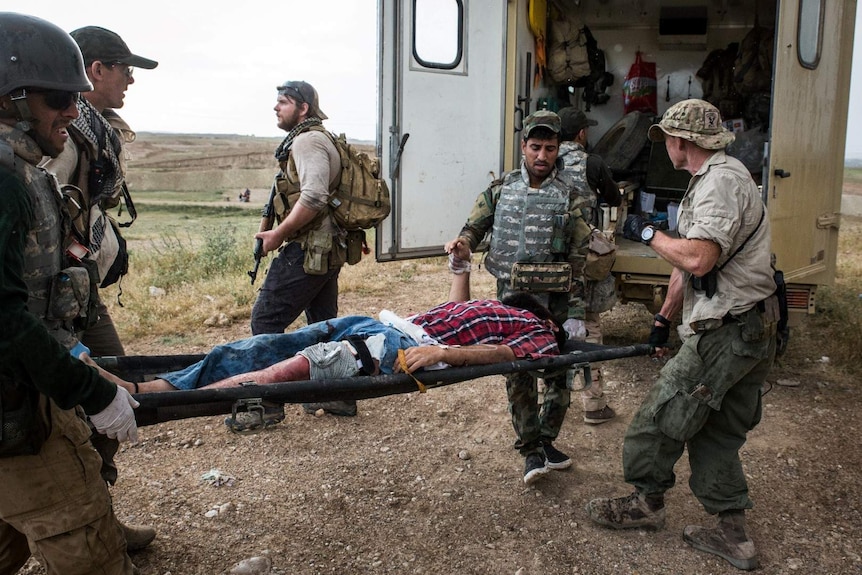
{"x":219,"y":63}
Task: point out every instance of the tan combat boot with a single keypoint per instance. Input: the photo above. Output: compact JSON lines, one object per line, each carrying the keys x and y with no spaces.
{"x":631,"y":512}
{"x":728,"y":540}
{"x":137,"y":536}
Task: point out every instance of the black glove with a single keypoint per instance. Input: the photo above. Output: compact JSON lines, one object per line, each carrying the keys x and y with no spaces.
{"x":633,"y":226}
{"x":658,"y":336}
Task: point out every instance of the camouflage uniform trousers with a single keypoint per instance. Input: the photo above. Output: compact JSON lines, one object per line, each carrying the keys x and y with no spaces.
{"x":56,"y":505}
{"x":594,"y":395}
{"x":534,"y":424}
{"x":707,"y":398}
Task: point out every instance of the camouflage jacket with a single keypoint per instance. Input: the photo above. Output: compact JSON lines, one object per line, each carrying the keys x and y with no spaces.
{"x":31,"y":236}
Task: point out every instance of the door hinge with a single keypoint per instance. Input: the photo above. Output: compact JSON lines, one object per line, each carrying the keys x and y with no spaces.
{"x":825,"y":221}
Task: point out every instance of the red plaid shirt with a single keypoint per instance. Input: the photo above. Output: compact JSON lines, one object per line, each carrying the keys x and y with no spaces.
{"x":488,"y":321}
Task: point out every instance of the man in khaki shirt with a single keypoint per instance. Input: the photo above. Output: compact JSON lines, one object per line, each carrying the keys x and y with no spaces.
{"x":707,"y":397}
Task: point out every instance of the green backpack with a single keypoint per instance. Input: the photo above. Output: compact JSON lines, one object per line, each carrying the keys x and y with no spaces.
{"x":360,"y":199}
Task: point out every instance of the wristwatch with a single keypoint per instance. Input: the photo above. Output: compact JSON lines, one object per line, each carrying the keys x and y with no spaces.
{"x":647,"y":234}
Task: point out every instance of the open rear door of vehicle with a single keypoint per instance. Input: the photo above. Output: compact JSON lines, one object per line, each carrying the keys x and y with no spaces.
{"x":442,"y":99}
{"x":813,"y":51}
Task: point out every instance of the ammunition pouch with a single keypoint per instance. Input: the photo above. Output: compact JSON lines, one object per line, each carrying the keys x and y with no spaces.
{"x":542,"y":277}
{"x":323,"y":252}
{"x":74,"y":295}
{"x":23,"y":430}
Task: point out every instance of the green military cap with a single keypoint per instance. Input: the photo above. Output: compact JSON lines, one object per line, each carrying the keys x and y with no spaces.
{"x":541,"y":118}
{"x":694,"y":120}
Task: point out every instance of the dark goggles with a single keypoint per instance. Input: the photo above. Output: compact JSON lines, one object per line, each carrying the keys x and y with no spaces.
{"x":57,"y":99}
{"x":290,"y":89}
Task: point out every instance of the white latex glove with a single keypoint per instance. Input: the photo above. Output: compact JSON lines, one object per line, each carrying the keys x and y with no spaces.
{"x":117,"y":421}
{"x":575,"y":328}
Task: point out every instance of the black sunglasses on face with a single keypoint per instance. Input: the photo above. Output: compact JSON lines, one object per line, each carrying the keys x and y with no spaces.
{"x":57,"y":99}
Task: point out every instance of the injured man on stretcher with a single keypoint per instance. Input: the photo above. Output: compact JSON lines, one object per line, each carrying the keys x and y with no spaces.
{"x":457,"y":333}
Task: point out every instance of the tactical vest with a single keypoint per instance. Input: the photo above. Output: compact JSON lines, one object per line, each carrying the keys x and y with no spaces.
{"x":288,"y":186}
{"x":574,"y":171}
{"x":530,"y":225}
{"x":43,"y":253}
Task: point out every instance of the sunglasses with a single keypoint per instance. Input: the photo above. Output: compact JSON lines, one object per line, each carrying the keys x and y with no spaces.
{"x":129,"y":71}
{"x":57,"y":99}
{"x":289,"y":90}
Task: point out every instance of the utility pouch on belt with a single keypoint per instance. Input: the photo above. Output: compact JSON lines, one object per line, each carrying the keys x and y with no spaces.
{"x":752,"y":328}
{"x":22,"y":429}
{"x":542,"y":277}
{"x":600,"y":258}
{"x":355,"y":243}
{"x":317,"y":246}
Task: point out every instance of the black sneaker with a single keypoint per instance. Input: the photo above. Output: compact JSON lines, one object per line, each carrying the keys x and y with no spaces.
{"x":534,"y":468}
{"x":556,"y":459}
{"x":346,"y":408}
{"x":599,"y":416}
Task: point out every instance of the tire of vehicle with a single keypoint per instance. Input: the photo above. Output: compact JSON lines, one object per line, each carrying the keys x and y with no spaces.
{"x":622,"y":143}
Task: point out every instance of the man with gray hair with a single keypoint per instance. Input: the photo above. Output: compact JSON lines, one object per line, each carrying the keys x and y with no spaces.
{"x":707,"y":398}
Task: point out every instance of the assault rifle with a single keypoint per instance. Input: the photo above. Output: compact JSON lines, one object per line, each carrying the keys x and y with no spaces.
{"x":266,"y":219}
{"x":171,"y":405}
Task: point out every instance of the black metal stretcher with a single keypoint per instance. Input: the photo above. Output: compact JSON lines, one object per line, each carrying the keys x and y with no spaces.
{"x":171,"y":405}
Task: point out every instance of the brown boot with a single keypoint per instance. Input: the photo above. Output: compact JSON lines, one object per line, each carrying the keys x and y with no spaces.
{"x":628,"y":512}
{"x":729,"y":540}
{"x":137,"y":536}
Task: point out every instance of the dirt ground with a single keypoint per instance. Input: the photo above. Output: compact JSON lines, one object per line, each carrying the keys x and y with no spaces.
{"x":429,"y":483}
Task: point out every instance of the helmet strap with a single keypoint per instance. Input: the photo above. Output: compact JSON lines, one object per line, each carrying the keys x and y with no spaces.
{"x":24,"y":113}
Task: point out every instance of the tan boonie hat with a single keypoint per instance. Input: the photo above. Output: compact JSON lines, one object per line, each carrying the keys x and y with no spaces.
{"x":100,"y":44}
{"x":694,"y":120}
{"x":539,"y":119}
{"x":303,"y":92}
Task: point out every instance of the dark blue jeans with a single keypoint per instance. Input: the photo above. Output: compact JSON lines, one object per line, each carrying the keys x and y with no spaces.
{"x":261,"y":351}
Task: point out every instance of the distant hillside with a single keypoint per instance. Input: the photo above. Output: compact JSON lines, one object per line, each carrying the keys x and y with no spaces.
{"x":853,"y":162}
{"x":214,"y":162}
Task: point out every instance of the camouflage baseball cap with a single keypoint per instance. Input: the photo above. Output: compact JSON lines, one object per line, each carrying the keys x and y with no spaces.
{"x":304,"y":93}
{"x":100,"y":44}
{"x":694,"y":120}
{"x":539,"y":119}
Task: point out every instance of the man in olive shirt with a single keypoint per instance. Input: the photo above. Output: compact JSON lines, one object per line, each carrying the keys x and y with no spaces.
{"x":53,"y":502}
{"x":707,"y":397}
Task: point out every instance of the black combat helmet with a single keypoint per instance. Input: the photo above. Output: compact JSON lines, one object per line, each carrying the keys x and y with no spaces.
{"x":35,"y":53}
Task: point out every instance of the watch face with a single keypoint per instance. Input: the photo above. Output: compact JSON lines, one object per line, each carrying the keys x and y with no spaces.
{"x":647,"y":234}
